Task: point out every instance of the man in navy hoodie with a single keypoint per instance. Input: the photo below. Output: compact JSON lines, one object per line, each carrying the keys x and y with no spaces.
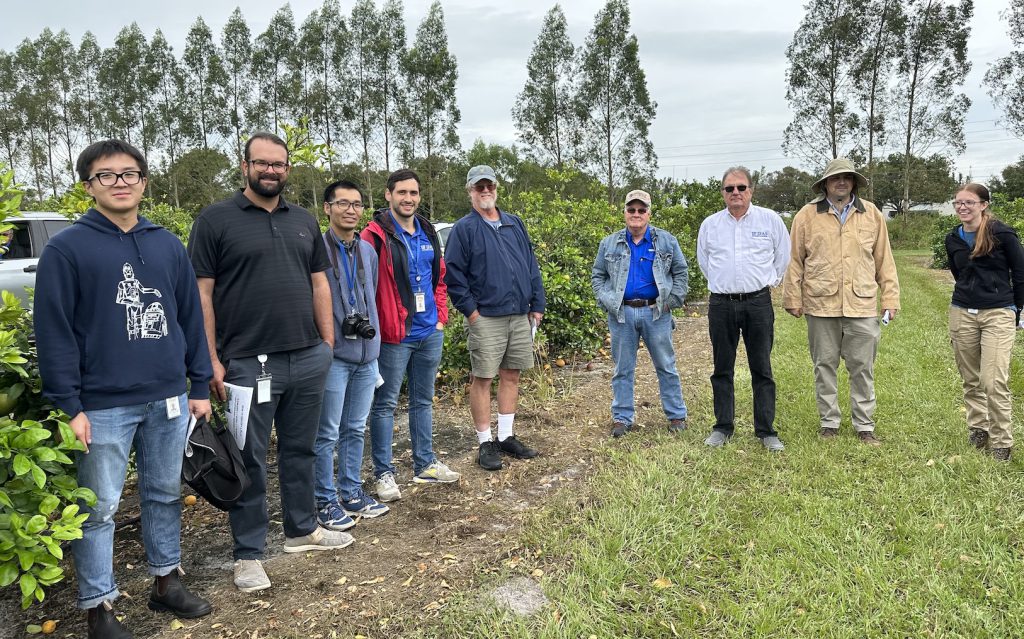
{"x":119,"y":328}
{"x":494,"y":280}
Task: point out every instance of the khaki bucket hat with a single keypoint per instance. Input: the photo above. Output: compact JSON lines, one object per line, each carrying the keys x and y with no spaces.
{"x":837,"y":166}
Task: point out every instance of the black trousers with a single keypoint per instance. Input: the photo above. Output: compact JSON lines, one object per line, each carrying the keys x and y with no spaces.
{"x":754,"y":319}
{"x":296,"y":392}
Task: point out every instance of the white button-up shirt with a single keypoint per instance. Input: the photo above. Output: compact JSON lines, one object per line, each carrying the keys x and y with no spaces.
{"x":744,"y":255}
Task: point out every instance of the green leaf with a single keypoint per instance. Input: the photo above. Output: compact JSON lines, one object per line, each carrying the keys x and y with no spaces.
{"x":53,"y":547}
{"x":44,"y":454}
{"x":5,"y":499}
{"x":36,"y":524}
{"x":50,"y":572}
{"x":49,"y":504}
{"x":26,"y":559}
{"x":28,"y":584}
{"x":39,"y":476}
{"x":8,"y":573}
{"x":22,"y":464}
{"x":31,"y":437}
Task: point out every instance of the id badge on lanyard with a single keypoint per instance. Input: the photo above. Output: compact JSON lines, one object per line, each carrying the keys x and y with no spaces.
{"x":263,"y":381}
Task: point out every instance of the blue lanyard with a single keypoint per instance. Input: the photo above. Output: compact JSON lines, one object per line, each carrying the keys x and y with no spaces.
{"x":348,"y":274}
{"x":414,"y":258}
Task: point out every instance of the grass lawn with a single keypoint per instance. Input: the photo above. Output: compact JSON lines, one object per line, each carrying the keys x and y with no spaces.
{"x":918,"y":538}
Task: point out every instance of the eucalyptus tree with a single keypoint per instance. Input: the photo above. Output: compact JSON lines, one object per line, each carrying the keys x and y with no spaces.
{"x":364,"y":29}
{"x":90,"y":62}
{"x":60,"y":73}
{"x":1005,"y":78}
{"x":275,"y":72}
{"x":206,"y":84}
{"x":544,"y":113}
{"x":169,"y":100}
{"x":389,"y":51}
{"x":12,"y":119}
{"x":614,"y":103}
{"x":236,"y":43}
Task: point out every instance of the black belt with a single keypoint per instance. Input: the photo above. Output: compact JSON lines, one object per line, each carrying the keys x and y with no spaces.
{"x":639,"y":303}
{"x":739,"y":297}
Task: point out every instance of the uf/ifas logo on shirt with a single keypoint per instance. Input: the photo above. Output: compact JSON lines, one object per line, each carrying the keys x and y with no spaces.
{"x":763,"y":234}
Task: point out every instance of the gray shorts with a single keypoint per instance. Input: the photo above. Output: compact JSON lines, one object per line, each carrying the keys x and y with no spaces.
{"x":500,"y":342}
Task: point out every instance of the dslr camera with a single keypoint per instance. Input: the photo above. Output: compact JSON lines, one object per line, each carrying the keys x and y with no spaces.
{"x":358,"y":325}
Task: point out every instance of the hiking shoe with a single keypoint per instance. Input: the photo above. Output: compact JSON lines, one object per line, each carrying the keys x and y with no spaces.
{"x":676,"y":425}
{"x":829,"y":433}
{"x":515,"y":448}
{"x":868,"y":437}
{"x":716,"y":439}
{"x":364,"y":506}
{"x":102,"y":622}
{"x":319,"y":539}
{"x":437,"y":473}
{"x":332,"y":517}
{"x":170,"y":595}
{"x":773,"y":444}
{"x":978,"y":438}
{"x":490,"y":456}
{"x":250,"y":576}
{"x":619,"y":429}
{"x":1001,"y":454}
{"x":387,"y":488}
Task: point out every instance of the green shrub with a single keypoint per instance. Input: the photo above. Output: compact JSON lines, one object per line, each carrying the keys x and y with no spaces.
{"x":38,"y":492}
{"x":914,"y":231}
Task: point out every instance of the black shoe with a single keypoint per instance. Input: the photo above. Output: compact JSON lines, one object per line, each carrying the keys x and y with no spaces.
{"x":515,"y":448}
{"x":978,"y":438}
{"x":619,"y":429}
{"x":170,"y":595}
{"x":490,"y":456}
{"x":102,"y":623}
{"x":676,"y":425}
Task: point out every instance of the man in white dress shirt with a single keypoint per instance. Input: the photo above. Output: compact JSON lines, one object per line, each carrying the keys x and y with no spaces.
{"x":743,"y":251}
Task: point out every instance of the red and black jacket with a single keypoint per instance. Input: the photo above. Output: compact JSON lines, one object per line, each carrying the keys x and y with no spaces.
{"x":394,"y":290}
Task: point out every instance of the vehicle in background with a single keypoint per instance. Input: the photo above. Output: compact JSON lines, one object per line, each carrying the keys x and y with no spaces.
{"x":443,"y":229}
{"x":31,"y":233}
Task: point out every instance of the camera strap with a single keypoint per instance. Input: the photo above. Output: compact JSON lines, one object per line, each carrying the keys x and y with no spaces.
{"x":337,"y":254}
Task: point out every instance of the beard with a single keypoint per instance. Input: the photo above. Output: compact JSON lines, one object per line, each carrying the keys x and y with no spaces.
{"x":266,"y":191}
{"x":487,"y":205}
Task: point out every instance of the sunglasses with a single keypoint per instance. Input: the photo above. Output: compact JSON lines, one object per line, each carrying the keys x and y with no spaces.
{"x":631,"y":210}
{"x":482,"y":187}
{"x":729,"y":189}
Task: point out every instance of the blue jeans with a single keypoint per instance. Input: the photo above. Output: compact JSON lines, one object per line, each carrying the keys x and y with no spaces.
{"x":657,"y":335}
{"x":419,"y":360}
{"x":159,"y":444}
{"x":347,"y":398}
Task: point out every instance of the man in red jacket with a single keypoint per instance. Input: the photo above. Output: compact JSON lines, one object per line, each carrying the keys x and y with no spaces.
{"x":412,"y":302}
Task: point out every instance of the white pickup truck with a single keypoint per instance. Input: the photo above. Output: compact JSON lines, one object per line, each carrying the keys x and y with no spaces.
{"x":18,"y":264}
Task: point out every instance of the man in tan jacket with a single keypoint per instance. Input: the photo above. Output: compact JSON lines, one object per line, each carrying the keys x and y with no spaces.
{"x":840,"y":263}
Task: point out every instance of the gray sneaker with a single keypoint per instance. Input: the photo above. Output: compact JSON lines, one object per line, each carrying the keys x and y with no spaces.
{"x":716,"y":439}
{"x":773,"y":444}
{"x":437,"y":473}
{"x":250,"y":576}
{"x":319,"y":539}
{"x":387,"y":488}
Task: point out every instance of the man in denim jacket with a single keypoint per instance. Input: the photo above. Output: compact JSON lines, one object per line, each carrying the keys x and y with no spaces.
{"x":639,"y":276}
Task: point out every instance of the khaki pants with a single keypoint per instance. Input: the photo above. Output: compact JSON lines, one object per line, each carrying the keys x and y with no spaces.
{"x":982,"y":343}
{"x":855,"y":340}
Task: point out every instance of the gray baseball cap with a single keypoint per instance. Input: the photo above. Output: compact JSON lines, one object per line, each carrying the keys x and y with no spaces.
{"x":481,"y":172}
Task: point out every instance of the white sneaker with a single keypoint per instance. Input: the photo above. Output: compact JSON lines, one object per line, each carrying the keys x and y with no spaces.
{"x":319,"y":539}
{"x":437,"y":473}
{"x":250,"y":576}
{"x":387,"y":488}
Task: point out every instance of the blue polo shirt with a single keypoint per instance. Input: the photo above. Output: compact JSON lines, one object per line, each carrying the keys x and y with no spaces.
{"x":640,"y":282}
{"x":421,"y":263}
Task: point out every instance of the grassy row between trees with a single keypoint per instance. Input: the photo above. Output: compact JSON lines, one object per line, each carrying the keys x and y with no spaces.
{"x":918,"y":538}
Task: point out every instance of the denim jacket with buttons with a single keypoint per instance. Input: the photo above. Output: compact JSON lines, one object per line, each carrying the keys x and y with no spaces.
{"x":611,"y":269}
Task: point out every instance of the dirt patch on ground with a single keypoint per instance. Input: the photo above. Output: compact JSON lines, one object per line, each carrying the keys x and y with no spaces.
{"x":405,"y":566}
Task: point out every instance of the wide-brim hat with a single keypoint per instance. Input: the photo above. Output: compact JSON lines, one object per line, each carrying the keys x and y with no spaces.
{"x":837,"y":166}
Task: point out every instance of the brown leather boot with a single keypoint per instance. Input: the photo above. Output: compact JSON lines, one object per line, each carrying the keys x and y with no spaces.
{"x":170,"y":595}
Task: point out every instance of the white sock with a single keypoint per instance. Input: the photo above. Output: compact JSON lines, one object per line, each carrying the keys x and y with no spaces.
{"x":484,"y":436}
{"x":505,"y":426}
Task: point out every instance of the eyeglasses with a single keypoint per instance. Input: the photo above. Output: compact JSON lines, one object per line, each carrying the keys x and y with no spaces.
{"x":740,"y":187}
{"x":106,"y":178}
{"x":481,"y":187}
{"x":968,"y":203}
{"x":263,"y":165}
{"x":641,"y":210}
{"x":342,"y":205}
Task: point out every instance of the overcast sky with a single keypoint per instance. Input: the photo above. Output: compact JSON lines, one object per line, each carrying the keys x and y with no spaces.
{"x":716,"y":69}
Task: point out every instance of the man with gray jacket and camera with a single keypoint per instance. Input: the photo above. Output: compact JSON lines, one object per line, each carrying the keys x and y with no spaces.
{"x":639,"y":276}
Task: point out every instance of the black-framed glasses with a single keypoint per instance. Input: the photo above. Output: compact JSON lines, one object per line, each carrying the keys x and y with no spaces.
{"x":739,"y":187}
{"x":108,"y":178}
{"x":641,"y":210}
{"x":969,"y":203}
{"x":344,"y":205}
{"x":263,"y":165}
{"x":481,"y":187}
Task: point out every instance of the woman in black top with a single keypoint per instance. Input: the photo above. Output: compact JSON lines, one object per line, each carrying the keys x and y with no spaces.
{"x":987,"y":262}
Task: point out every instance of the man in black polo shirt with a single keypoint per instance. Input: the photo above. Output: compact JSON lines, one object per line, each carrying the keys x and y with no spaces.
{"x":260,"y":263}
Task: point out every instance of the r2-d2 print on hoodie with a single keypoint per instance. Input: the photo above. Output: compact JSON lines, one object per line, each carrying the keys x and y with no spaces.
{"x":145,"y":322}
